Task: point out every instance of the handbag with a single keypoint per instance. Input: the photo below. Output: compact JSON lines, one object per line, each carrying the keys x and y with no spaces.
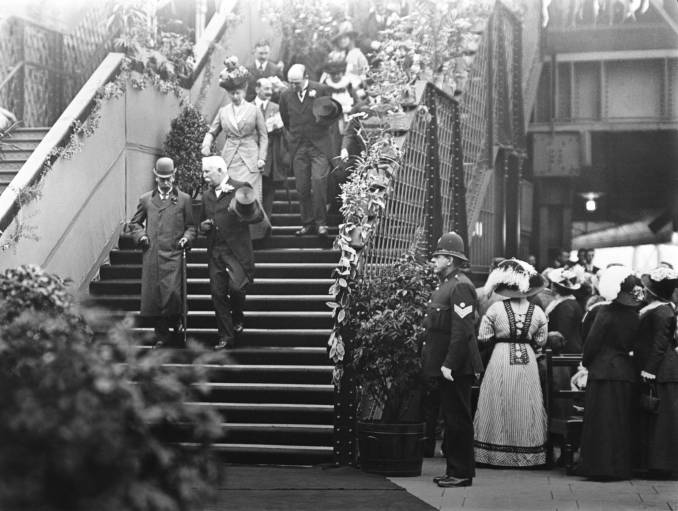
{"x":650,"y":402}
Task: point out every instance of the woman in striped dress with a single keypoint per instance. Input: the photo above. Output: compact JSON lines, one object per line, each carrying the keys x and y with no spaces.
{"x":510,"y":421}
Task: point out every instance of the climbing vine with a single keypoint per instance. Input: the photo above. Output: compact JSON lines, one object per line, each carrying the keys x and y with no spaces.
{"x":363,"y":201}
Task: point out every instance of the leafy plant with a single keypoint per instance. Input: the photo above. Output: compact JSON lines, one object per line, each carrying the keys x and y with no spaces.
{"x":183,"y":144}
{"x":386,"y":316}
{"x":429,"y":43}
{"x":85,"y":421}
{"x":29,"y":286}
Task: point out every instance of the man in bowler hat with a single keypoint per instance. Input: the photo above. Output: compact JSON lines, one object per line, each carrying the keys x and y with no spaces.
{"x":163,"y":226}
{"x":228,"y":207}
{"x":451,"y":360}
{"x":310,"y":145}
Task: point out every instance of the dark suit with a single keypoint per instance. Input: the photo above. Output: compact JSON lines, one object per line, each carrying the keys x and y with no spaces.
{"x":566,"y":318}
{"x":311,"y":149}
{"x":270,"y":70}
{"x":451,"y":342}
{"x":230,"y":257}
{"x":274,"y":170}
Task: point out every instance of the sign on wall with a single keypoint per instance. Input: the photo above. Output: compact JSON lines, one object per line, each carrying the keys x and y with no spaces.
{"x":556,"y":155}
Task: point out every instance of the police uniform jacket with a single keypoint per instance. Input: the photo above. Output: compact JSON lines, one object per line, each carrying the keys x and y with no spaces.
{"x":229,"y":232}
{"x":165,"y":222}
{"x":450,"y":325}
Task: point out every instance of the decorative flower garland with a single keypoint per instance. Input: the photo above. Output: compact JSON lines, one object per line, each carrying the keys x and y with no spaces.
{"x":363,"y":202}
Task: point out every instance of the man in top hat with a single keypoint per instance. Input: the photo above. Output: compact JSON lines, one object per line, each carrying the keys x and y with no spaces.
{"x":564,"y":312}
{"x":228,"y":208}
{"x":163,"y":226}
{"x":310,"y":144}
{"x":450,"y":359}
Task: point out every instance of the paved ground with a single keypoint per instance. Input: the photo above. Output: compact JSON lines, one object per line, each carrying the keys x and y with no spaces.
{"x":539,"y":490}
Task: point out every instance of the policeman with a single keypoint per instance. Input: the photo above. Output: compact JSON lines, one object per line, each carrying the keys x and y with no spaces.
{"x":451,"y":360}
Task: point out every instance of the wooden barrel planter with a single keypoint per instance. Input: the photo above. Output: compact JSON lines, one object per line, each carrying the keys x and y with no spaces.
{"x":391,"y":449}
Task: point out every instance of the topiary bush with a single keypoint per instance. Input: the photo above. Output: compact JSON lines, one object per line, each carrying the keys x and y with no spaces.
{"x":386,"y":315}
{"x":183,"y":144}
{"x":85,"y":421}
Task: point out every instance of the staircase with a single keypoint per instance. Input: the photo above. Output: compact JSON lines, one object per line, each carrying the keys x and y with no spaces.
{"x":15,"y":150}
{"x":275,"y":392}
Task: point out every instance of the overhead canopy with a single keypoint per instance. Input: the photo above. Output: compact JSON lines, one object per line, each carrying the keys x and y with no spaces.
{"x":632,"y":234}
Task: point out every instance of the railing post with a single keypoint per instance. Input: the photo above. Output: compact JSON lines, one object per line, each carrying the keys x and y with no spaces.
{"x":458,"y":217}
{"x":434,"y":217}
{"x":345,"y":421}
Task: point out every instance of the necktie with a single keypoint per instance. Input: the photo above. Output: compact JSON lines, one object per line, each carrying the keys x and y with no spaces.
{"x":301,"y":95}
{"x":263,"y":107}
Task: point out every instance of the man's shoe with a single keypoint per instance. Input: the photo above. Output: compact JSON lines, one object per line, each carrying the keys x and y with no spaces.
{"x":224,"y":344}
{"x":454,"y":482}
{"x":238,"y":327}
{"x":306,"y":229}
{"x":322,"y":231}
{"x":439,"y":478}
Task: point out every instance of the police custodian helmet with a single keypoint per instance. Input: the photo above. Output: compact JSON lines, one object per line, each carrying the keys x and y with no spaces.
{"x":451,"y":244}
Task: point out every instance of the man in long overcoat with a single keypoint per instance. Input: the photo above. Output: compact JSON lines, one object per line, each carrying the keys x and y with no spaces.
{"x":310,"y":146}
{"x":230,"y":257}
{"x":163,"y":226}
{"x":451,"y":360}
{"x":274,"y":171}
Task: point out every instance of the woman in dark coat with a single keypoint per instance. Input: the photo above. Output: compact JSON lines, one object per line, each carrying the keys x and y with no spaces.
{"x":657,"y":361}
{"x":606,"y":434}
{"x":564,"y":312}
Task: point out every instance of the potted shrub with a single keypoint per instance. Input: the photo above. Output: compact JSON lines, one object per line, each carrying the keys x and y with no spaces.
{"x":386,"y":316}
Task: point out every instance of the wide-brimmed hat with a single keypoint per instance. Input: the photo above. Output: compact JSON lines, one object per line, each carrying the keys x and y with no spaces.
{"x":345,"y":28}
{"x":164,"y":168}
{"x":564,"y":280}
{"x":661,"y":282}
{"x":514,"y":278}
{"x":451,"y":244}
{"x":618,"y":283}
{"x":326,"y":109}
{"x":244,"y":203}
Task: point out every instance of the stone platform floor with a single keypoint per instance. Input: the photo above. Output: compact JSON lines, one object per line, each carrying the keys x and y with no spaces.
{"x":539,"y":490}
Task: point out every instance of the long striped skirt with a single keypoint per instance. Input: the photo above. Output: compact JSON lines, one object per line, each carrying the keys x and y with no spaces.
{"x":510,"y":421}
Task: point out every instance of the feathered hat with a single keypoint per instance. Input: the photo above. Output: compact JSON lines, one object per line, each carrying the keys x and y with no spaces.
{"x":514,"y":278}
{"x":234,"y":76}
{"x":661,"y":282}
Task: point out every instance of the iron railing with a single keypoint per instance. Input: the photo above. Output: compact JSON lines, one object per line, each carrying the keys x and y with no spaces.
{"x":427,"y":191}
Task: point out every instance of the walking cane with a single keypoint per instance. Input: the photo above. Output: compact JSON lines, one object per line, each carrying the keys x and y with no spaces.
{"x":184,"y":294}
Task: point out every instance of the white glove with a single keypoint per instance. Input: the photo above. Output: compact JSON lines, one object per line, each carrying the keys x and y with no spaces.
{"x":447,"y":373}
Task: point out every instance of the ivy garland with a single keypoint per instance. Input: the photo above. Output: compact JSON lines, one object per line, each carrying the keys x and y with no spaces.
{"x":363,"y":202}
